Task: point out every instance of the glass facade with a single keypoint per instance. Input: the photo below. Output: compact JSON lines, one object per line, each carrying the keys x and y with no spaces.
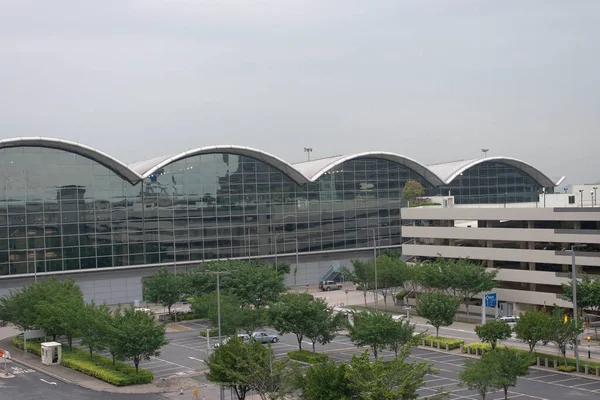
{"x":62,"y":211}
{"x":492,"y":182}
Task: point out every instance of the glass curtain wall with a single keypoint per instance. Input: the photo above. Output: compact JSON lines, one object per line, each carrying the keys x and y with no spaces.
{"x":61,"y":211}
{"x":491,"y":182}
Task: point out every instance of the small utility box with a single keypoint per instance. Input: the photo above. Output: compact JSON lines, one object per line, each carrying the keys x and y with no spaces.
{"x":51,"y":353}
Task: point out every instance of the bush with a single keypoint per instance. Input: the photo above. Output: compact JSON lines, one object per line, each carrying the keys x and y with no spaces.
{"x":121,"y":374}
{"x":452,"y":343}
{"x":308,"y":356}
{"x":482,"y":347}
{"x":187,"y":316}
{"x":565,"y":368}
{"x":213,"y":332}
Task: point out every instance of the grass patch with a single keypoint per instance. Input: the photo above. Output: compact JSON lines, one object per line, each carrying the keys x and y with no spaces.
{"x":308,"y":356}
{"x":99,"y":367}
{"x":452,"y":343}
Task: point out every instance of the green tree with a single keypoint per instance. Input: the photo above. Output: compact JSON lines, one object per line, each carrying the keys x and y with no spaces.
{"x":163,"y":288}
{"x":387,"y":380}
{"x":362,"y":276}
{"x":588,"y":293}
{"x":96,"y":327}
{"x":392,"y":272}
{"x":403,"y":333}
{"x":243,"y":367}
{"x":412,"y":190}
{"x":137,"y":337}
{"x":508,"y":365}
{"x":256,"y":284}
{"x":325,"y":323}
{"x":460,"y":278}
{"x":533,"y":327}
{"x":233,"y":316}
{"x":372,"y":329}
{"x":493,"y":331}
{"x":325,"y":381}
{"x":563,"y":333}
{"x":302,"y":315}
{"x":479,"y":375}
{"x":438,"y":309}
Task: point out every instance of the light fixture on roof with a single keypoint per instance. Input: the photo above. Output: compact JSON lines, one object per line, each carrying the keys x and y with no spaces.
{"x":485,"y":151}
{"x":308,"y":150}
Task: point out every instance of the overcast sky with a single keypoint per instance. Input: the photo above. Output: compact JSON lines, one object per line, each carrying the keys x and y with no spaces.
{"x":432,"y":80}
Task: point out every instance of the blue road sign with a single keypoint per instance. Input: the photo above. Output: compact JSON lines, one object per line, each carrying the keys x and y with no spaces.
{"x":490,"y":300}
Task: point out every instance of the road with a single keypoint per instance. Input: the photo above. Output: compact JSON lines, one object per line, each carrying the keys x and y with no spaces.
{"x":29,"y":384}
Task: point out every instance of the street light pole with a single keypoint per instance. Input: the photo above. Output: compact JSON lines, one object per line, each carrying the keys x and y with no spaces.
{"x":276,"y":245}
{"x":375,"y":264}
{"x":296,"y":270}
{"x":35,"y":265}
{"x":218,"y":274}
{"x":574,"y":286}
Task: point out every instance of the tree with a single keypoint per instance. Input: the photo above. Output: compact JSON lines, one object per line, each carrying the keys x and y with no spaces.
{"x":233,"y":316}
{"x":387,"y":380}
{"x":402,"y":334}
{"x":412,"y":189}
{"x":438,"y":309}
{"x":362,"y":276}
{"x":325,"y":381}
{"x":588,"y":293}
{"x":533,"y":327}
{"x":508,"y":365}
{"x":256,"y":284}
{"x":372,"y":329}
{"x":391,"y":273}
{"x":303,"y":315}
{"x":163,"y":288}
{"x":479,"y":375}
{"x":563,"y":333}
{"x":137,"y":337}
{"x":96,"y":327}
{"x":493,"y":331}
{"x":245,"y":367}
{"x":460,"y":278}
{"x":325,"y":323}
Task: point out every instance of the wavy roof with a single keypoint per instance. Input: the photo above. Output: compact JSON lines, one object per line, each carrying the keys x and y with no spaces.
{"x":109,"y":162}
{"x":301,"y":173}
{"x":449,"y":171}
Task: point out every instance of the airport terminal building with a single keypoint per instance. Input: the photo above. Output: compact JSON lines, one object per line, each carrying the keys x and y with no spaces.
{"x":69,"y":209}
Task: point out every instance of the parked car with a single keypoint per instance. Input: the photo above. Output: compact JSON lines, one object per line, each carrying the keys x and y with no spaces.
{"x":329,"y":285}
{"x":245,"y":338}
{"x":510,"y":320}
{"x":264,"y":337}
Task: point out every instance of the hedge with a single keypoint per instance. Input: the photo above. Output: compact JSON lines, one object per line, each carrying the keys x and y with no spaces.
{"x":308,"y":356}
{"x":121,"y":374}
{"x":213,"y":332}
{"x":452,"y":343}
{"x":186,"y":316}
{"x":559,"y":359}
{"x":565,"y":368}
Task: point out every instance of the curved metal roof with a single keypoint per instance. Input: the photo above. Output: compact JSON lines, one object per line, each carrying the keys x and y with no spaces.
{"x":109,"y":162}
{"x":146,"y":168}
{"x":316,"y":168}
{"x":449,"y":171}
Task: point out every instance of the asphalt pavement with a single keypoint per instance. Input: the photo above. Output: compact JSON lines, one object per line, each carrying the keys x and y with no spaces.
{"x":29,"y":384}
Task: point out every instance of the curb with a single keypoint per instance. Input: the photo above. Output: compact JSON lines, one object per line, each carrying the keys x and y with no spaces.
{"x":50,"y":374}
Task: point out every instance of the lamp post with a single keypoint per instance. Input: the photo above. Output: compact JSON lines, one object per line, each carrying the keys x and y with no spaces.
{"x":276,"y":245}
{"x":308,"y":150}
{"x":581,"y":197}
{"x":485,"y":151}
{"x":218,"y":274}
{"x":595,"y":196}
{"x":296,"y":268}
{"x":574,"y":285}
{"x":589,"y":352}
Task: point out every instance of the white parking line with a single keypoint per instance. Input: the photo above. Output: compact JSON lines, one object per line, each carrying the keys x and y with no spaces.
{"x":545,"y":376}
{"x":564,"y":380}
{"x":589,"y":383}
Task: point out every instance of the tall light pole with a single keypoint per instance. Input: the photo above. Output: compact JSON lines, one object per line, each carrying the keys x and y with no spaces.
{"x":375,"y":265}
{"x":595,"y":196}
{"x":581,"y":197}
{"x":218,"y":274}
{"x":574,"y":286}
{"x":276,"y":245}
{"x":296,"y":268}
{"x":485,"y":151}
{"x":308,"y":150}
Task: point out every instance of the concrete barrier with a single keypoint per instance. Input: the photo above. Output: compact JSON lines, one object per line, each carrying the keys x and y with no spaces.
{"x":538,"y":361}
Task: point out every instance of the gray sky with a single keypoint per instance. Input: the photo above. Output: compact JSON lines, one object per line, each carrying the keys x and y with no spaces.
{"x":432,"y":80}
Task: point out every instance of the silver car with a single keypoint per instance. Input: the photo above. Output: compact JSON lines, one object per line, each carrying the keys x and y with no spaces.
{"x":264,"y":337}
{"x":244,"y":337}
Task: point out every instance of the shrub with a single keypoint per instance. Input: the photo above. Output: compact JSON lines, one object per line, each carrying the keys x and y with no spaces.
{"x":452,"y":343}
{"x":565,"y":368}
{"x":213,"y":332}
{"x":187,"y":316}
{"x":482,"y":347}
{"x":121,"y":374}
{"x":308,"y":356}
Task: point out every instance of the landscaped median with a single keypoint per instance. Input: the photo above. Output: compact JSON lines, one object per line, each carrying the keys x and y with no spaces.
{"x":99,"y":367}
{"x":545,"y":360}
{"x":444,"y":342}
{"x":308,"y":357}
